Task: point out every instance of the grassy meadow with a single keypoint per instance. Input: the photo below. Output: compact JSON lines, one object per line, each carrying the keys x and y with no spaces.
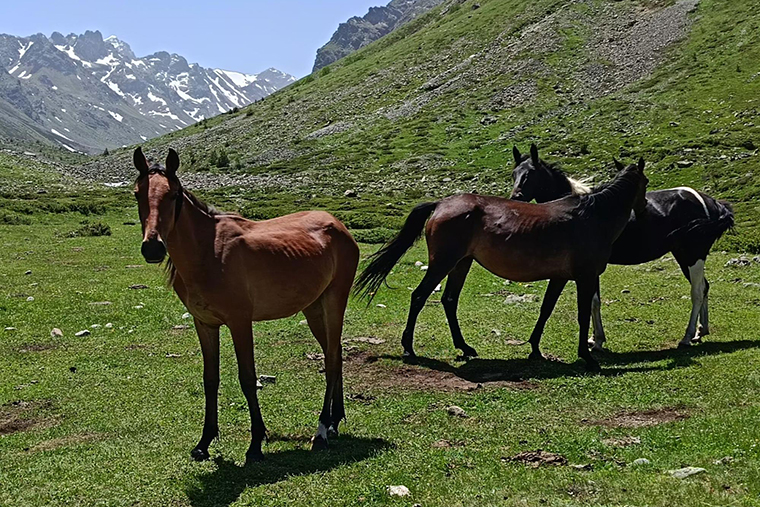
{"x":109,"y":418}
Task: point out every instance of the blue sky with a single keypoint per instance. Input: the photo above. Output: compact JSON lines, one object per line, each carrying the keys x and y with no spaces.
{"x":246,"y":36}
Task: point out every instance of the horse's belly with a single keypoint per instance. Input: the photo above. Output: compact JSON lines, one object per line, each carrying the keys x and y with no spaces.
{"x":524,"y":268}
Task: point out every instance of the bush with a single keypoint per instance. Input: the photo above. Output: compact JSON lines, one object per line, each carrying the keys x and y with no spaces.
{"x":8,"y":219}
{"x":378,"y":235}
{"x":91,"y":229}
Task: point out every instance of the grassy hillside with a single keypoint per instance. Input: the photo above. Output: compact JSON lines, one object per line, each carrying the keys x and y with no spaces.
{"x":435,"y":107}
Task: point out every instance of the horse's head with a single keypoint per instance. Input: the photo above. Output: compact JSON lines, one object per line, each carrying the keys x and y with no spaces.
{"x":640,"y":201}
{"x":159,"y":198}
{"x":533,"y":179}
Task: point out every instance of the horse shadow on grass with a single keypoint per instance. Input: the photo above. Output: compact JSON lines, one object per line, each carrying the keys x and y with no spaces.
{"x":483,"y":371}
{"x":224,"y":485}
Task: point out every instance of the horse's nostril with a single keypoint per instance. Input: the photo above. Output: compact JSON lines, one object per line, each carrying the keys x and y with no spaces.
{"x":153,"y":250}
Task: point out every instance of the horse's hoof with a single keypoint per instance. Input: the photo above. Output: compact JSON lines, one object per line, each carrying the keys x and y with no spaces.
{"x":332,"y":431}
{"x":318,"y":444}
{"x":536,"y":356}
{"x":702,"y":331}
{"x":468,"y":353}
{"x":253,"y":457}
{"x":199,"y":454}
{"x":409,"y":356}
{"x":684,"y":345}
{"x":697,"y":339}
{"x":593,"y":367}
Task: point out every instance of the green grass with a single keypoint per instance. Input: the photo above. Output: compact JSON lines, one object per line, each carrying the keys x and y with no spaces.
{"x":118,"y":411}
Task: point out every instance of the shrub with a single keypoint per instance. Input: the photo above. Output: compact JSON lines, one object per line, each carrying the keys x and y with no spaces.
{"x":91,"y":229}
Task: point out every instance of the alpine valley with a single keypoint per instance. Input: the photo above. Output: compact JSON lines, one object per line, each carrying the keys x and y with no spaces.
{"x":87,"y":93}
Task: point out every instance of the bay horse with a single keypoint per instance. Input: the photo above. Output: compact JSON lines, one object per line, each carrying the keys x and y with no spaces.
{"x":231,"y":271}
{"x":678,"y":220}
{"x":567,"y":239}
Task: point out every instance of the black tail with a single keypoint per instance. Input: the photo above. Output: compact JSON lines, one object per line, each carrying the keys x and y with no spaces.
{"x":708,"y":229}
{"x":384,"y":259}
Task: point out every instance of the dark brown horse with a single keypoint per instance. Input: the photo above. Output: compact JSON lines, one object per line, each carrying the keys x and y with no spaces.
{"x":568,"y":239}
{"x":231,"y":271}
{"x":678,"y":220}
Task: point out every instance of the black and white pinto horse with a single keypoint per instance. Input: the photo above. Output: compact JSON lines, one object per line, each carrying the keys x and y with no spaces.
{"x":678,"y":220}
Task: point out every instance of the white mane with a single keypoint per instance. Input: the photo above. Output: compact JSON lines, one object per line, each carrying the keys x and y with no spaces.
{"x":579,"y":187}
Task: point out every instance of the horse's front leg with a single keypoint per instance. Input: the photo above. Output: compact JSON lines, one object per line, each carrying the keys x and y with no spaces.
{"x":553,"y":292}
{"x":587,"y":287}
{"x":209,"y":337}
{"x":242,"y":336}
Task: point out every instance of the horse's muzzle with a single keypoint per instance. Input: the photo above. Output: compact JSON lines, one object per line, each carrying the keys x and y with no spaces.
{"x":153,"y":250}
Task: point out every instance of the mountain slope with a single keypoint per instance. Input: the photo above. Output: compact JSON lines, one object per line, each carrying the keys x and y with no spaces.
{"x":86,"y":93}
{"x":379,"y":21}
{"x":435,"y":107}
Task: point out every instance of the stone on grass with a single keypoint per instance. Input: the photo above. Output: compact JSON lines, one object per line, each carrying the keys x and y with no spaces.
{"x":419,"y":264}
{"x":9,"y":328}
{"x":109,"y":325}
{"x":83,"y":332}
{"x":186,"y":315}
{"x":456,"y":411}
{"x":56,"y":333}
{"x":380,"y":305}
{"x":640,"y":462}
{"x":683,"y":473}
{"x":267,"y":379}
{"x":725,"y":460}
{"x":28,"y":272}
{"x":30,"y":298}
{"x":400,"y":491}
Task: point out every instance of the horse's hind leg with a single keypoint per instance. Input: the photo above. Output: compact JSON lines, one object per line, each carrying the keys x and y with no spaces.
{"x":704,"y":326}
{"x":325,"y":318}
{"x":450,"y":302}
{"x":209,"y":338}
{"x":242,"y":337}
{"x":587,"y":287}
{"x":435,"y":274}
{"x":596,"y":322}
{"x":553,"y":292}
{"x":697,"y":279}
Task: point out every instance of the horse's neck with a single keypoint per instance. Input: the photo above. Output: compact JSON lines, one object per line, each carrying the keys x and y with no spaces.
{"x":192,"y":238}
{"x":615,"y":201}
{"x":558,"y":187}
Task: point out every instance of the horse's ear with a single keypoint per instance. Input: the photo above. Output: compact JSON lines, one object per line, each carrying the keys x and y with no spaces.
{"x":641,"y":165}
{"x":618,"y":165}
{"x":141,"y":163}
{"x":534,"y":154}
{"x":172,"y":162}
{"x":518,"y":156}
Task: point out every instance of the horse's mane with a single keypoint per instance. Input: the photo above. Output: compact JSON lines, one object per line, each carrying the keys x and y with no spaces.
{"x":606,"y":194}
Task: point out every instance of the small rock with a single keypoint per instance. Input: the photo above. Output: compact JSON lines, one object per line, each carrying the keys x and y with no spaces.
{"x":303,"y":322}
{"x":456,"y":411}
{"x":625,"y":291}
{"x":186,"y":315}
{"x":83,"y":332}
{"x":399,"y":491}
{"x":683,"y":164}
{"x":28,"y":272}
{"x":109,"y":325}
{"x":314,"y":356}
{"x":586,"y":467}
{"x":496,"y":332}
{"x":725,"y":460}
{"x":350,"y":193}
{"x":380,"y":305}
{"x":446,"y":180}
{"x":95,"y":326}
{"x":683,"y":473}
{"x":419,"y":264}
{"x":267,"y":379}
{"x":514,"y":299}
{"x":640,"y":462}
{"x":10,"y":328}
{"x":100,"y":303}
{"x":437,"y":288}
{"x":173,"y":355}
{"x":139,"y":307}
{"x":259,"y":385}
{"x":180,"y":327}
{"x":56,"y":333}
{"x":138,"y":286}
{"x":30,"y":298}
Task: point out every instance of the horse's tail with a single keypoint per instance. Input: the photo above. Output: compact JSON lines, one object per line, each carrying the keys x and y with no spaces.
{"x":709,"y":229}
{"x":383,"y":260}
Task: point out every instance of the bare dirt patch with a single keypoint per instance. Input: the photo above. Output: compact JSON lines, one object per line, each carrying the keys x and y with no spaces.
{"x":24,"y":416}
{"x":68,"y":441}
{"x":365,"y":369}
{"x":535,"y":459}
{"x":626,"y":441}
{"x":642,"y":418}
